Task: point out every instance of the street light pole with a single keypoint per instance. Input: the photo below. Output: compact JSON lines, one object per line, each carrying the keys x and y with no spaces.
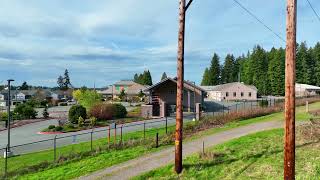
{"x":9,"y":113}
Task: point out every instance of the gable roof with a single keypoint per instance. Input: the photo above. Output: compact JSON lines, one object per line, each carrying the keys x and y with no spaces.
{"x":175,"y":81}
{"x":306,"y":86}
{"x":227,"y":85}
{"x":125,"y":82}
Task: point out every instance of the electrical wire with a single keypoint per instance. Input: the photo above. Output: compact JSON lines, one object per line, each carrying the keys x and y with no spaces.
{"x":314,"y":11}
{"x":260,"y":21}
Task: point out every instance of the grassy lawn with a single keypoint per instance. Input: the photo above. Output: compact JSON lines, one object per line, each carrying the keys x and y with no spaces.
{"x":256,"y":156}
{"x":25,"y":164}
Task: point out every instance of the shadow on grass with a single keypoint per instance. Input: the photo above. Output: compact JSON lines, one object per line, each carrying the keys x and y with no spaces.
{"x":225,"y":159}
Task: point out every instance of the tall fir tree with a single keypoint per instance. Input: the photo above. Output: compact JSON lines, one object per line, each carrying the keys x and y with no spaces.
{"x":276,"y":71}
{"x":227,"y":75}
{"x":164,"y":76}
{"x":259,"y":68}
{"x":214,"y":71}
{"x":205,"y":78}
{"x":316,"y":57}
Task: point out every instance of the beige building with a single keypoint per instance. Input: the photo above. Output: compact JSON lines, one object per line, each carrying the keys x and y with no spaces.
{"x":166,"y":92}
{"x":131,"y":89}
{"x":231,"y":92}
{"x":306,"y":90}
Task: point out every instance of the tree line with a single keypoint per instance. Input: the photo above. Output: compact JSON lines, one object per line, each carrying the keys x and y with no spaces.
{"x":265,"y":69}
{"x":144,"y":78}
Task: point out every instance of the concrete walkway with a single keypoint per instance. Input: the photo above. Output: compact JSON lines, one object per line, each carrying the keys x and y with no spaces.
{"x":155,"y":160}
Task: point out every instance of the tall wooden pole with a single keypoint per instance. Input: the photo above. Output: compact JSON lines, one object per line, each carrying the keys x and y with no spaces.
{"x":180,"y":82}
{"x":289,"y":149}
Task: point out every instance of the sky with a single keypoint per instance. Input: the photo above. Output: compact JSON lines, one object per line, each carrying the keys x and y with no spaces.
{"x":103,"y":41}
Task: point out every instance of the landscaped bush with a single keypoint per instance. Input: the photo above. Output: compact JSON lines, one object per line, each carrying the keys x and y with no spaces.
{"x":51,"y":127}
{"x":58,"y":128}
{"x":75,"y":112}
{"x":25,"y":111}
{"x":3,"y":116}
{"x":119,"y":111}
{"x":108,"y":111}
{"x":102,"y":111}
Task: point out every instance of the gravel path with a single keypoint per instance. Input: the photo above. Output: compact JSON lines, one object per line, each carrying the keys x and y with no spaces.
{"x":155,"y":160}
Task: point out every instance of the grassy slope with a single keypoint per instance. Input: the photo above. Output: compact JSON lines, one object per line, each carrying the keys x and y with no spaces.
{"x":256,"y":156}
{"x":122,"y":155}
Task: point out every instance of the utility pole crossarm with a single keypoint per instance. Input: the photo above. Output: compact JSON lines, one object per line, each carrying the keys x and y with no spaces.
{"x":187,"y":6}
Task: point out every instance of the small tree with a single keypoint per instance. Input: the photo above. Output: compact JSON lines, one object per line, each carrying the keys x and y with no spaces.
{"x":80,"y":122}
{"x":45,"y":112}
{"x":93,"y":121}
{"x":122,"y":95}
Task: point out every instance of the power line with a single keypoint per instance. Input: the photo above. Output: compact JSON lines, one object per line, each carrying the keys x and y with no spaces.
{"x":314,"y":11}
{"x":260,"y":21}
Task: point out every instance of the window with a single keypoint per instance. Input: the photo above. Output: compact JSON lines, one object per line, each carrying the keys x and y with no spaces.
{"x":242,"y":94}
{"x":234,"y":94}
{"x":171,"y":91}
{"x":249,"y":94}
{"x":227,"y":94}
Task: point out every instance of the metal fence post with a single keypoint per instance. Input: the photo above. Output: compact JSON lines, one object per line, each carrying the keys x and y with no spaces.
{"x":236,"y":107}
{"x":115,"y":134}
{"x":91,"y":133}
{"x":121,"y":134}
{"x":157,"y":140}
{"x":109,"y":135}
{"x":166,"y":125}
{"x":202,"y":147}
{"x":144,"y":130}
{"x":6,"y":164}
{"x":223,"y":109}
{"x":55,"y":148}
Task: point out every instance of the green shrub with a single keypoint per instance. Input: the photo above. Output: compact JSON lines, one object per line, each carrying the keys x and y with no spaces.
{"x":25,"y":111}
{"x":3,"y":116}
{"x":93,"y":121}
{"x":80,"y":122}
{"x":75,"y":112}
{"x":119,"y":111}
{"x":58,"y":128}
{"x":51,"y":127}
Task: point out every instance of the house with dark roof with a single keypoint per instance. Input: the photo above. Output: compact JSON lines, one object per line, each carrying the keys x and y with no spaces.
{"x":165,"y":92}
{"x":231,"y":92}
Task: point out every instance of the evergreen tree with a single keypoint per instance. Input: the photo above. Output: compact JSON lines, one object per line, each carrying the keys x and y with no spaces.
{"x":276,"y":71}
{"x":316,"y":57}
{"x":259,"y":68}
{"x":164,"y":76}
{"x":227,"y":71}
{"x":136,"y":78}
{"x":24,"y":86}
{"x":205,"y":78}
{"x":304,"y":63}
{"x":147,"y":78}
{"x":214,"y":71}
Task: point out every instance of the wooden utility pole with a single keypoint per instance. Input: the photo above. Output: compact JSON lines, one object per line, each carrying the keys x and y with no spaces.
{"x":289,"y":148}
{"x":180,"y":82}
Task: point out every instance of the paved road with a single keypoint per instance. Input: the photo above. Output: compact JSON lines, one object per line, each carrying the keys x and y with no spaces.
{"x":155,"y":160}
{"x":29,"y":133}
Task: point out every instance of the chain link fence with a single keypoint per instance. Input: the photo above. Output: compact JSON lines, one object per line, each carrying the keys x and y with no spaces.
{"x":32,"y":156}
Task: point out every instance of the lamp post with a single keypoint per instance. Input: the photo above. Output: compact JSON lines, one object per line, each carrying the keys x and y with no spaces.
{"x":9,"y":113}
